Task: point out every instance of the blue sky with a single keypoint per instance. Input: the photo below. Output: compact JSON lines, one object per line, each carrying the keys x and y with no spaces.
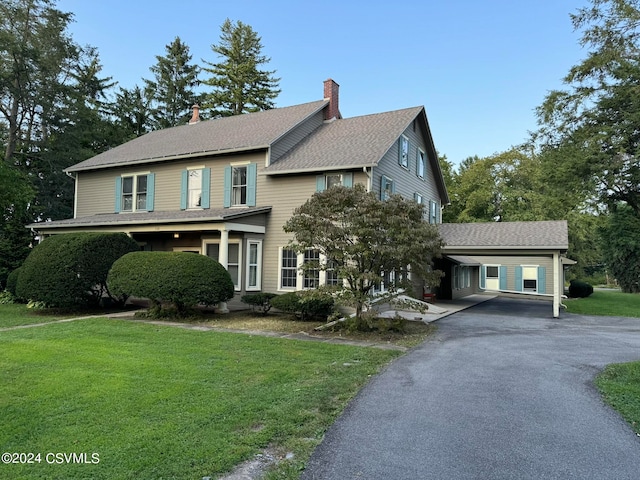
{"x":480,"y":67}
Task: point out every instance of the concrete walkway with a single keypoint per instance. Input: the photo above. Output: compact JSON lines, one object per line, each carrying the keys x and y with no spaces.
{"x":502,"y":391}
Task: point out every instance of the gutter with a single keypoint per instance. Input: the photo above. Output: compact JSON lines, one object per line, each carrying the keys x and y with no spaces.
{"x":182,"y":156}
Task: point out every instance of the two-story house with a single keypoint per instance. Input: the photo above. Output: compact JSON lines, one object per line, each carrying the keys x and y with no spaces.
{"x":225,"y":187}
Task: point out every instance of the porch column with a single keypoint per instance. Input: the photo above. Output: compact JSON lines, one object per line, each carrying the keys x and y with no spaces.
{"x":224,"y":261}
{"x":558,"y":285}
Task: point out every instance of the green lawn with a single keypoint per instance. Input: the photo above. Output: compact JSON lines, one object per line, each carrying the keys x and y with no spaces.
{"x":162,"y":402}
{"x":620,"y":387}
{"x":18,"y":314}
{"x":606,"y":302}
{"x":619,"y":384}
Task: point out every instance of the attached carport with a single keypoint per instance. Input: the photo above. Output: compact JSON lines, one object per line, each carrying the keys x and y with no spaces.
{"x":514,"y":258}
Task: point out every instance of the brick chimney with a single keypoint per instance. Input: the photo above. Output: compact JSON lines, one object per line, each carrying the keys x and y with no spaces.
{"x":331,"y":93}
{"x":196,"y":114}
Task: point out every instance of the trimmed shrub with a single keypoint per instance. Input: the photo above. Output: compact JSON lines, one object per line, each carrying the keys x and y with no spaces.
{"x":287,"y":302}
{"x":70,"y":270}
{"x":260,"y":302}
{"x":579,"y":289}
{"x":305,"y":304}
{"x":12,"y":281}
{"x":181,"y":278}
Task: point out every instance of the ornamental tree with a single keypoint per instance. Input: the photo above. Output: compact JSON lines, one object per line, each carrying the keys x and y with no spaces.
{"x":361,"y":238}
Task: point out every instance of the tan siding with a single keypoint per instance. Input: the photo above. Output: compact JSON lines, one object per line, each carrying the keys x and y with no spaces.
{"x":96,"y":193}
{"x":473,"y":286}
{"x":283,"y":194}
{"x":96,"y":190}
{"x":512,"y":261}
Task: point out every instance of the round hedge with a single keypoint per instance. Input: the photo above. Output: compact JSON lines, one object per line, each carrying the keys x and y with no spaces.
{"x":70,"y":269}
{"x":184,"y":279}
{"x":12,"y":281}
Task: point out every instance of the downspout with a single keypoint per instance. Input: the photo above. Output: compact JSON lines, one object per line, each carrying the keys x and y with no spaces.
{"x":557,"y":286}
{"x":75,"y":192}
{"x":369,"y":178}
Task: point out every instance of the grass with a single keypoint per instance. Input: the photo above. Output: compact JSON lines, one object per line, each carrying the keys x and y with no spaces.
{"x":604,"y":302}
{"x":161,"y":402}
{"x":414,"y":333}
{"x":12,"y":315}
{"x":620,"y":387}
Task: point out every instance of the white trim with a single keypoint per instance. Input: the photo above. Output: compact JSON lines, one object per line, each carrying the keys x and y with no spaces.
{"x":280,"y":288}
{"x":234,"y":241}
{"x":424,"y":164}
{"x":406,"y":167}
{"x":258,"y":285}
{"x":198,"y":250}
{"x":241,"y":227}
{"x":134,"y":191}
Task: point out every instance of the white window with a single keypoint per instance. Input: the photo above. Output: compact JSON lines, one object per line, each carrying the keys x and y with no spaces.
{"x":254,"y":262}
{"x":387,"y":187}
{"x":334,"y":180}
{"x":233,"y":264}
{"x":134,"y":193}
{"x":239,"y":186}
{"x":332,"y":276}
{"x":404,"y":152}
{"x":421,"y":167}
{"x":433,"y":212}
{"x":311,"y":276}
{"x":288,"y":269}
{"x":530,"y":278}
{"x":234,"y":260}
{"x":194,"y":188}
{"x":418,"y":198}
{"x":461,"y":277}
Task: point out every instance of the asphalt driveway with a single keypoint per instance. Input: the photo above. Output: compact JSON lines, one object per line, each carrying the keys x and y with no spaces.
{"x":503,"y":391}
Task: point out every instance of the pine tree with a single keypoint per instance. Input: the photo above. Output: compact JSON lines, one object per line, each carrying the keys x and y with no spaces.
{"x":239,"y":85}
{"x":173,"y":88}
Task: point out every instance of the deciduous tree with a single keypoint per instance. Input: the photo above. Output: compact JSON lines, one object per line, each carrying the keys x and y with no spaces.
{"x":621,"y":246}
{"x":363,"y":237}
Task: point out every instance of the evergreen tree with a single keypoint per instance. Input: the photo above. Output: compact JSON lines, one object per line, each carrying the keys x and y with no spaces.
{"x":172,"y":89}
{"x":239,"y":84}
{"x":132,"y":112}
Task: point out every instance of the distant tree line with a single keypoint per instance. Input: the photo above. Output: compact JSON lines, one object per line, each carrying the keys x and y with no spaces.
{"x":582,"y":163}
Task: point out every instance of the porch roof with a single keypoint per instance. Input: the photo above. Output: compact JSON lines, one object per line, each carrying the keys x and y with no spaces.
{"x":147,"y":218}
{"x":463,"y":260}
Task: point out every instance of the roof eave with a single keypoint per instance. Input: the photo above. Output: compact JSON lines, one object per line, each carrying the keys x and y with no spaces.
{"x":448,"y":248}
{"x":333,"y":168}
{"x":156,"y":221}
{"x":182,"y":156}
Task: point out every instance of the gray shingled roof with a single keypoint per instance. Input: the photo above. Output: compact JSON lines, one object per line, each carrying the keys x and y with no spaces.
{"x":141,"y":218}
{"x":347,"y":143}
{"x":536,"y":235}
{"x":248,"y":131}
